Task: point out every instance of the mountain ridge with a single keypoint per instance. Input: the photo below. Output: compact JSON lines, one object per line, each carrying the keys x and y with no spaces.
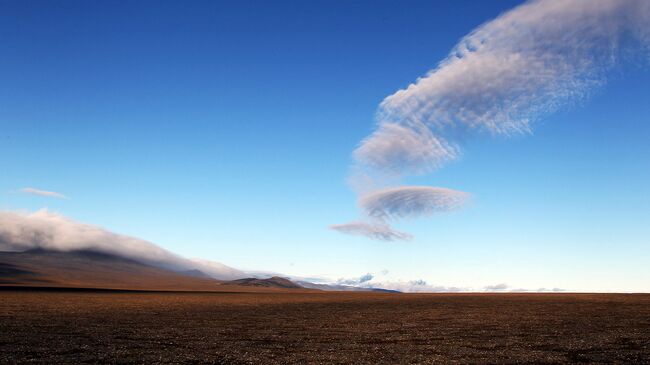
{"x":92,"y":269}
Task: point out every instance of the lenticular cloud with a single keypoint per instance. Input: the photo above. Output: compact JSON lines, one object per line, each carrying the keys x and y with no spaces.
{"x":498,"y":80}
{"x":411,"y":201}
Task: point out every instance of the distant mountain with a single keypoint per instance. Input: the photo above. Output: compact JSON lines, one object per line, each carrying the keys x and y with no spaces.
{"x":273,"y":282}
{"x":195,"y":273}
{"x":89,"y":269}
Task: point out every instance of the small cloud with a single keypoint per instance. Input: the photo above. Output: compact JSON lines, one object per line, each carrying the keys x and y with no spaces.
{"x":365,"y":278}
{"x":497,"y":287}
{"x":49,"y":194}
{"x":378,"y":231}
{"x":547,"y":290}
{"x":356,"y":281}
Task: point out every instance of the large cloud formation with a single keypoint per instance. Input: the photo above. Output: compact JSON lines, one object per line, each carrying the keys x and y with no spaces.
{"x":506,"y":74}
{"x":50,"y":231}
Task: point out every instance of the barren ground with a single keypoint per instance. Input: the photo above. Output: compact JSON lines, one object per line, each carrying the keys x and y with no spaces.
{"x":280,"y":328}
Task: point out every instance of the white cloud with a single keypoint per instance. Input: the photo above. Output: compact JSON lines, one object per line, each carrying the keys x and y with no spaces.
{"x":415,"y":286}
{"x":51,"y":231}
{"x":554,"y":290}
{"x":411,"y":201}
{"x":50,"y":194}
{"x":376,"y":230}
{"x":497,"y":287}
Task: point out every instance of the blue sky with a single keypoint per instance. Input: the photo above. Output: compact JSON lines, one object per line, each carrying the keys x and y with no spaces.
{"x":225,"y":131}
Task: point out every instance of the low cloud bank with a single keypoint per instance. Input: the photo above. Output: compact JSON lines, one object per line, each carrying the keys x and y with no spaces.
{"x":51,"y":231}
{"x":381,"y":281}
{"x":417,"y":286}
{"x":497,"y":287}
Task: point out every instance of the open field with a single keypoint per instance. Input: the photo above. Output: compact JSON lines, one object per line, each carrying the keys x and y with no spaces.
{"x":225,"y":328}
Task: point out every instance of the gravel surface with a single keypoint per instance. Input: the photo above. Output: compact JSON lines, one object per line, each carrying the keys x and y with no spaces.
{"x":322,"y":328}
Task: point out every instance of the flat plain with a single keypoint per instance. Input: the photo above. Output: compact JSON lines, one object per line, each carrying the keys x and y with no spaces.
{"x":321,"y":327}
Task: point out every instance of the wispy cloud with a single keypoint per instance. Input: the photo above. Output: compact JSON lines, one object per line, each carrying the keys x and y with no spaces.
{"x":529,"y":62}
{"x":375,"y":230}
{"x":51,"y":231}
{"x":50,"y":194}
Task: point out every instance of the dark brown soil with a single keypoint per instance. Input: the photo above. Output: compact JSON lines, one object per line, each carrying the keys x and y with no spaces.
{"x":338,"y":328}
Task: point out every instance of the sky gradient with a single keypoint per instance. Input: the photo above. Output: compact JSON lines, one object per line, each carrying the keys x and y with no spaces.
{"x":226,"y":131}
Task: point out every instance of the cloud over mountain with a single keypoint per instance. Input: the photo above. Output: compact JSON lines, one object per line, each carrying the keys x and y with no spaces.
{"x":51,"y":231}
